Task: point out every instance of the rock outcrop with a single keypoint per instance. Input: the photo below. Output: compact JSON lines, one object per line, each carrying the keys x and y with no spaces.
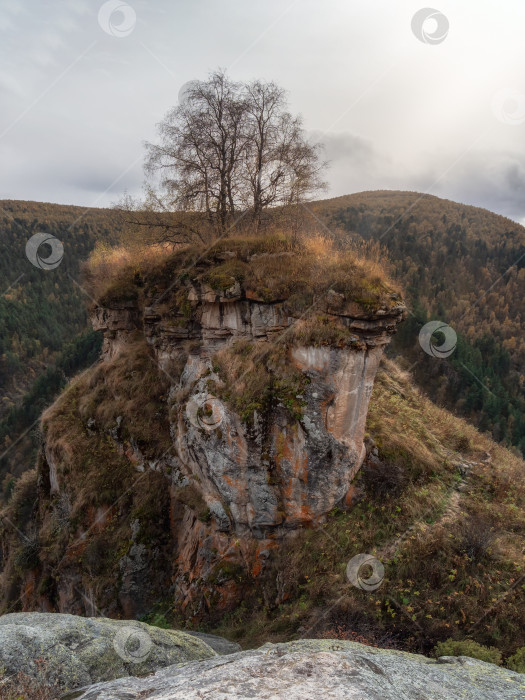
{"x":314,"y":458}
{"x":264,"y":477}
{"x":335,"y":670}
{"x":103,"y":659}
{"x":267,"y":362}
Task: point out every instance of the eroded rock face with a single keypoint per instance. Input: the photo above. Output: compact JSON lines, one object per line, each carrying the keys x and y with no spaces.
{"x":261,"y":480}
{"x":321,"y":669}
{"x":284,"y":474}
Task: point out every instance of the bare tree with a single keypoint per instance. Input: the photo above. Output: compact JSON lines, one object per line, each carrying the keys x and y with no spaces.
{"x":153,"y":219}
{"x":199,"y":152}
{"x":227,"y":150}
{"x":281,"y":167}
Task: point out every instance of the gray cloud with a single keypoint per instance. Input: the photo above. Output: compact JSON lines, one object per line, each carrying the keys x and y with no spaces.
{"x":77,"y":102}
{"x":354,"y":163}
{"x":494,"y":180}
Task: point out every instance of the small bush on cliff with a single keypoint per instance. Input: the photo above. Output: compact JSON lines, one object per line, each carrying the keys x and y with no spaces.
{"x":517,"y":661}
{"x":26,"y":556}
{"x":468,"y":647}
{"x":381,"y":478}
{"x":192,"y":497}
{"x":24,"y":499}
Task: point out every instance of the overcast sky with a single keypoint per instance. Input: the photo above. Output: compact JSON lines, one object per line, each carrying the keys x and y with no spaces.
{"x":435,"y":106}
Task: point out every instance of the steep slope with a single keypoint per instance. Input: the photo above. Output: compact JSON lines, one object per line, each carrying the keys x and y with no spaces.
{"x":464,"y":266}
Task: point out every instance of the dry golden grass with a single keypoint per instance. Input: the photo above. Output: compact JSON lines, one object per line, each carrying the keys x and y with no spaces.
{"x":273,"y":267}
{"x":107,"y":262}
{"x":370,"y":257}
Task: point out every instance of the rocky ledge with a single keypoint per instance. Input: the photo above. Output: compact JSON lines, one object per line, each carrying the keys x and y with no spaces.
{"x":102,"y":659}
{"x":328,"y":669}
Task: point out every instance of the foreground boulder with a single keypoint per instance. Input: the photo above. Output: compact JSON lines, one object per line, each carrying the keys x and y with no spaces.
{"x":70,"y":652}
{"x":327,"y":669}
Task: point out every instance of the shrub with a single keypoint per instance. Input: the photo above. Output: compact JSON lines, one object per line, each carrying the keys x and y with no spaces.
{"x":96,"y":554}
{"x":27,"y":555}
{"x":468,"y":647}
{"x":517,"y":661}
{"x":384,"y":641}
{"x":349,"y":621}
{"x":382,"y":479}
{"x":476,"y":536}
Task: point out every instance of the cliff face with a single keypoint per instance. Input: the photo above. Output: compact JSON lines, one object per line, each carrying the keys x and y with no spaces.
{"x":262,"y":418}
{"x":275,"y":473}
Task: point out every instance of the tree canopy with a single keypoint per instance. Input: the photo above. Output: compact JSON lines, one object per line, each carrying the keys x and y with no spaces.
{"x":228,"y":151}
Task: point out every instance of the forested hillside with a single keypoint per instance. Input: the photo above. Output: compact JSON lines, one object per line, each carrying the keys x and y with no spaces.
{"x":464,"y":266}
{"x":459,"y":264}
{"x":42,"y":313}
